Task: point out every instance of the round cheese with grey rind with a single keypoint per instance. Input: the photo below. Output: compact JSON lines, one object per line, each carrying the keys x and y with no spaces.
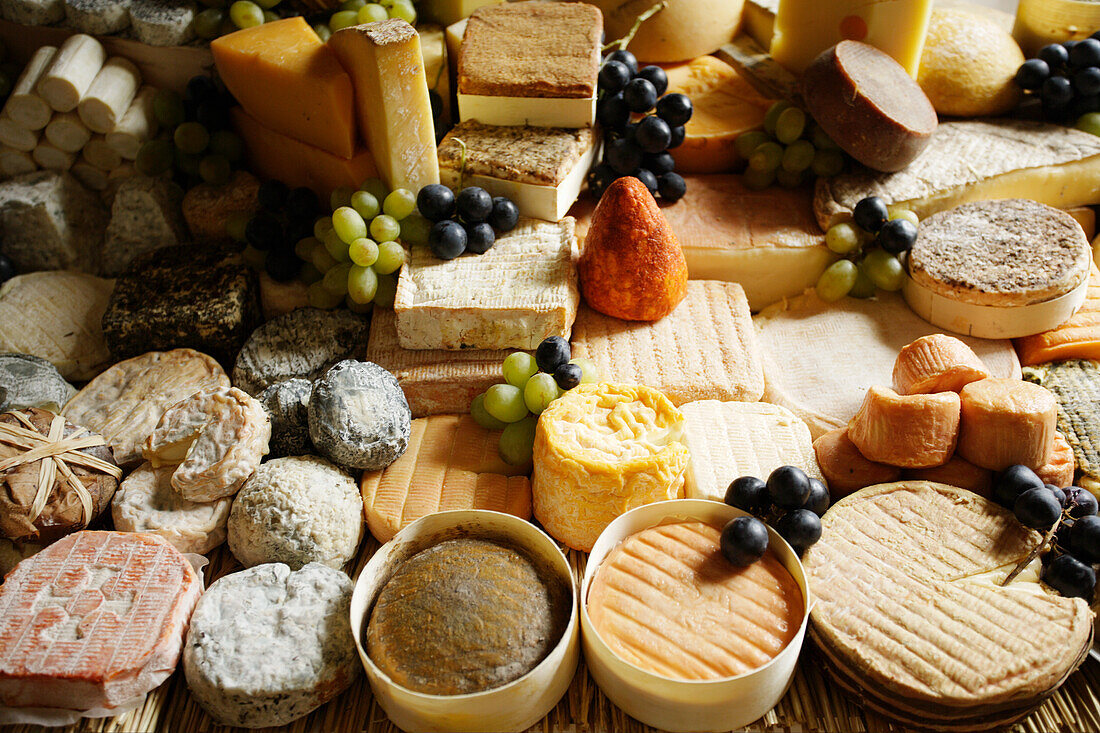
{"x":287,"y":406}
{"x":28,"y":381}
{"x":358,"y":416}
{"x":296,"y":510}
{"x":146,"y":502}
{"x":301,"y":344}
{"x":1010,"y":252}
{"x":268,"y":645}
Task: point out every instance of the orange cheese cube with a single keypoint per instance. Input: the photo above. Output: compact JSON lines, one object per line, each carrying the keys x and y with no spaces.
{"x":292,"y":83}
{"x":273,"y":155}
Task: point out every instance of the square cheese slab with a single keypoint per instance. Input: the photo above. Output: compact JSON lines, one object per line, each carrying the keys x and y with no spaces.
{"x":435,"y":382}
{"x":728,"y":440}
{"x":514,"y":296}
{"x":704,"y":350}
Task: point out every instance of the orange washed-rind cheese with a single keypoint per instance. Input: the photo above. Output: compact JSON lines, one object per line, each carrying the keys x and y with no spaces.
{"x":1077,"y":338}
{"x":291,"y":82}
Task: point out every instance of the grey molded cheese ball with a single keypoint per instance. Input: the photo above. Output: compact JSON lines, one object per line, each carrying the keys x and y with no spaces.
{"x":287,"y":405}
{"x":27,"y":381}
{"x":267,"y":645}
{"x":358,"y":416}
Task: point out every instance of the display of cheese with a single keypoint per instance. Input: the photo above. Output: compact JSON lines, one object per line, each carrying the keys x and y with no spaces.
{"x":146,"y":502}
{"x":266,"y":65}
{"x":517,"y":294}
{"x":28,"y":381}
{"x":601,"y":450}
{"x":451,"y":463}
{"x":805,"y":28}
{"x":972,"y":160}
{"x":682,"y":30}
{"x":530,"y":63}
{"x":711,"y":333}
{"x":1077,"y":338}
{"x":391,"y":100}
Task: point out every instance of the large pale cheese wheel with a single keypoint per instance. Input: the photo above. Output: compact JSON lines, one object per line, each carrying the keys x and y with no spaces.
{"x":683,"y":30}
{"x":1005,"y":422}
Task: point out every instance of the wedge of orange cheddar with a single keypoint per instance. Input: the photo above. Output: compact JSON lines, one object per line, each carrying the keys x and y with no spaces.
{"x":1077,"y":338}
{"x":291,"y":82}
{"x":274,"y":155}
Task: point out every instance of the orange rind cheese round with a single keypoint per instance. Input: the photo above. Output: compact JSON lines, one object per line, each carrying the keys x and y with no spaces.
{"x":1007,"y":422}
{"x":908,"y":431}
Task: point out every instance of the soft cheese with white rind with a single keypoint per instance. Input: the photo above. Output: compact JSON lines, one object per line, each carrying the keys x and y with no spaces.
{"x":287,"y":406}
{"x":146,"y":502}
{"x":28,"y":381}
{"x":67,"y":132}
{"x":728,"y":440}
{"x":52,"y":158}
{"x":24,"y":106}
{"x":296,"y":510}
{"x":110,"y":95}
{"x":821,"y":358}
{"x":519,"y":293}
{"x":137,"y":125}
{"x":14,"y":136}
{"x":73,"y":67}
{"x":268,"y":645}
{"x":15,"y":162}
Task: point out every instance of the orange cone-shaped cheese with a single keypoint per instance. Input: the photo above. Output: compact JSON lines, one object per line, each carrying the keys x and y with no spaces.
{"x":846,"y":469}
{"x":1005,"y":422}
{"x":956,"y":472}
{"x":1059,"y":469}
{"x":936,"y":363}
{"x":909,"y":431}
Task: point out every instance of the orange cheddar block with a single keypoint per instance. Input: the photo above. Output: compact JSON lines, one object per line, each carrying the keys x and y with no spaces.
{"x":1077,"y":338}
{"x":285,"y":77}
{"x":273,"y":155}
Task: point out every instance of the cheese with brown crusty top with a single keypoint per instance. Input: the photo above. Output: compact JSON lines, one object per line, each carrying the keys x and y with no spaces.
{"x":541,"y":156}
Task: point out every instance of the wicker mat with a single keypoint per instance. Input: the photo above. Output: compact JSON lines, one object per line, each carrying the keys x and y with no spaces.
{"x":811,"y":705}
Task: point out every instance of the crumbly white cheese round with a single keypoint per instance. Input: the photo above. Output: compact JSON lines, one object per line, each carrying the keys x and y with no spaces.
{"x":296,"y":510}
{"x":287,"y":406}
{"x":28,"y":381}
{"x":267,"y":645}
{"x":358,"y":416}
{"x":146,"y":502}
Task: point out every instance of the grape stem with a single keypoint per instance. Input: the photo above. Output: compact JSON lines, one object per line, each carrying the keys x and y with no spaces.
{"x":623,"y":42}
{"x":1034,"y":553}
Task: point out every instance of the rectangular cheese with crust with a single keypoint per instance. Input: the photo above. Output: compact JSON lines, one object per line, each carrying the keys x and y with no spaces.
{"x":704,"y":350}
{"x":520,"y":292}
{"x":451,"y":463}
{"x":435,"y":382}
{"x":728,"y":440}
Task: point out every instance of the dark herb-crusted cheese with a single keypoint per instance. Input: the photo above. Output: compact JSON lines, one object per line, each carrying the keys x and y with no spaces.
{"x":49,"y":221}
{"x":287,"y":405}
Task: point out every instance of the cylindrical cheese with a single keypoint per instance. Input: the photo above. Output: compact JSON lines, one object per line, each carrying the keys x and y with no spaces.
{"x":16,"y":162}
{"x":110,"y":95}
{"x":17,"y":137}
{"x":1007,"y":422}
{"x":53,"y":158}
{"x":67,"y":132}
{"x":71,"y":74}
{"x":101,"y":155}
{"x":909,"y":431}
{"x":136,"y":126}
{"x":89,"y":175}
{"x":24,"y":106}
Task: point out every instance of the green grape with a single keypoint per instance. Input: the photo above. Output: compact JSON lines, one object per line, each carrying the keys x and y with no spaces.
{"x":387,"y":291}
{"x":399,"y":203}
{"x":837,"y":280}
{"x":864,"y":286}
{"x":336,"y":247}
{"x":341,"y":196}
{"x":750,"y":141}
{"x":386,"y":3}
{"x":589,"y":372}
{"x":758,"y":180}
{"x":235,"y":225}
{"x":384,"y":228}
{"x":505,"y":403}
{"x":304,"y":248}
{"x":798,"y":156}
{"x":518,"y":367}
{"x":766,"y":157}
{"x":154,"y":157}
{"x":215,"y":169}
{"x":900,"y":212}
{"x":789,"y":179}
{"x":539,"y":392}
{"x":323,"y":31}
{"x":309,"y":273}
{"x":821,"y":140}
{"x":843,"y":238}
{"x":321,"y":297}
{"x":372,"y":13}
{"x":362,"y":284}
{"x":771,"y":117}
{"x":415,"y":229}
{"x":358,"y":307}
{"x":322,"y":226}
{"x":827,"y":163}
{"x":391,"y":255}
{"x":246,"y":14}
{"x":884,"y":269}
{"x":1089,"y":122}
{"x":322,"y":260}
{"x":482,"y":417}
{"x":366,"y":204}
{"x":348,"y":224}
{"x":253,"y":257}
{"x":227,"y":144}
{"x":168,"y":108}
{"x":789,"y":125}
{"x":517,"y":442}
{"x":375,"y":187}
{"x":404,"y":10}
{"x":336,"y":279}
{"x":188,"y":164}
{"x":363,"y":252}
{"x":191,"y":138}
{"x":208,"y":23}
{"x":343,"y":19}
{"x":270,"y":16}
{"x":355,"y":5}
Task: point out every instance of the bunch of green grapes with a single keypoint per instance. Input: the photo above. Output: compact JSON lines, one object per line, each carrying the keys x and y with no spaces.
{"x":354,"y":12}
{"x":531,"y":383}
{"x":871,"y":245}
{"x":789,"y":150}
{"x":225,"y":16}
